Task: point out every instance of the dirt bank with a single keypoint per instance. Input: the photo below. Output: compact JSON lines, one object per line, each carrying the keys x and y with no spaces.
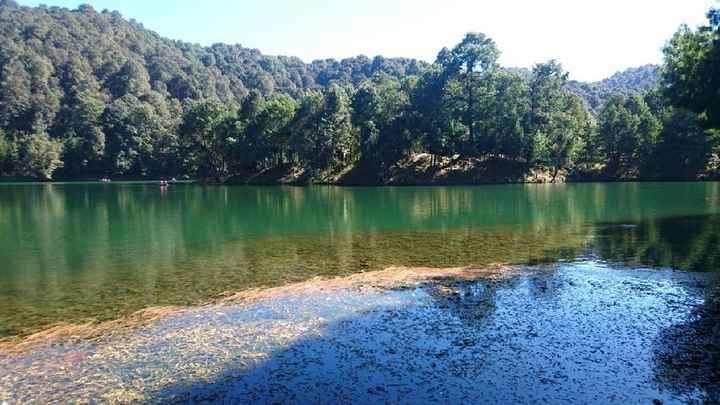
{"x":417,"y":169}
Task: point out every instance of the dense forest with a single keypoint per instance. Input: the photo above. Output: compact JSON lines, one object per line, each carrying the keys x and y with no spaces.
{"x":88,"y":94}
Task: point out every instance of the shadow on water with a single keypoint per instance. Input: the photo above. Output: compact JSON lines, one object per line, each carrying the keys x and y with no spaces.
{"x":687,"y":355}
{"x":573,"y":332}
{"x":580,"y":332}
{"x":472,"y":303}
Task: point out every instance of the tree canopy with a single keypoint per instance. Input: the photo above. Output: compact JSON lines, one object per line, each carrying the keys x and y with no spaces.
{"x":87,"y":94}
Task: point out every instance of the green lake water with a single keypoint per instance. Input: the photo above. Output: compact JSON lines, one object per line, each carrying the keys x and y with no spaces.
{"x":74,"y":252}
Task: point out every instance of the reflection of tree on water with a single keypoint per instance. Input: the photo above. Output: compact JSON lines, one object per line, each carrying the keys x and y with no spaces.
{"x":685,"y":243}
{"x":688,"y":355}
{"x":99,"y":251}
{"x":545,"y":286}
{"x":474,"y":301}
{"x":471,"y":302}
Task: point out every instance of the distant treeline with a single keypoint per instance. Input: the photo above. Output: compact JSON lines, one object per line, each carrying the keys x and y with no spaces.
{"x":88,"y":94}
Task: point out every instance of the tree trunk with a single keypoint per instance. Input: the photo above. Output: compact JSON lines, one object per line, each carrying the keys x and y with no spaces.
{"x":471,"y":105}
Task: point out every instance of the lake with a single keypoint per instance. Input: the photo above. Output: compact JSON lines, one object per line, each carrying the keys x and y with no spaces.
{"x":90,"y":251}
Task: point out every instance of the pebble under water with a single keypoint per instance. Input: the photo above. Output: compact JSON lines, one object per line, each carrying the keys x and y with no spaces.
{"x":581,"y":332}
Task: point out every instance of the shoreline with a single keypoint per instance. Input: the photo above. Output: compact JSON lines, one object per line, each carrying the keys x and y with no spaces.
{"x":206,"y":182}
{"x":419,"y":169}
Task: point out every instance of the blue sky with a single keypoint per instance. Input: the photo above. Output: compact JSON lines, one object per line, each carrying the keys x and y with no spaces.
{"x":592,"y":38}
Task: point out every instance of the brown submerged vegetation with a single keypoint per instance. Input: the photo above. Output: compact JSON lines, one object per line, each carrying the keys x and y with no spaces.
{"x":389,"y":278}
{"x":61,"y":332}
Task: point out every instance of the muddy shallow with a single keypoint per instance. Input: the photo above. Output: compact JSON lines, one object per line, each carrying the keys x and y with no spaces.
{"x":572,"y":332}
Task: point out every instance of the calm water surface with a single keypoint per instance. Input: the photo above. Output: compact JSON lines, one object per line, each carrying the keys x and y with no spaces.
{"x":70,"y":252}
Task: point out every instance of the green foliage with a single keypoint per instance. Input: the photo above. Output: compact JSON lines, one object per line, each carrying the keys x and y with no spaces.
{"x":112,"y":91}
{"x":38,"y":156}
{"x":379,"y":114}
{"x":431,"y":123}
{"x":627,"y":133}
{"x":89,"y":94}
{"x":338,"y":139}
{"x":691,"y":75}
{"x":5,"y":153}
{"x":502,"y":130}
{"x":305,"y":137}
{"x":691,"y":86}
{"x":684,"y":147}
{"x":204,"y":133}
{"x":268,"y":131}
{"x":558,"y":120}
{"x":467,"y":70}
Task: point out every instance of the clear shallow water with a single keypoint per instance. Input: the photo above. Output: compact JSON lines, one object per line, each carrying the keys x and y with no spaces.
{"x":577,"y":332}
{"x":70,"y":252}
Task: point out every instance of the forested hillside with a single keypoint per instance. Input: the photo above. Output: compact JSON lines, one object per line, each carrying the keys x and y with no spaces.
{"x":86,"y":94}
{"x":630,"y":81}
{"x":638,"y":80}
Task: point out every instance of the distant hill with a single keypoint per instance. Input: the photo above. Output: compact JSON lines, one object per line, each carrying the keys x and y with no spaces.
{"x":634,"y":80}
{"x":638,"y":80}
{"x":44,"y":51}
{"x":48,"y":54}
